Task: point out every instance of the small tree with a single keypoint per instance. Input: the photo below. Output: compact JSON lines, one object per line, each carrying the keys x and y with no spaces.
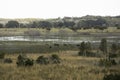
{"x":103,"y":46}
{"x":83,"y":48}
{"x":114,"y":47}
{"x":108,"y":61}
{"x":88,"y":47}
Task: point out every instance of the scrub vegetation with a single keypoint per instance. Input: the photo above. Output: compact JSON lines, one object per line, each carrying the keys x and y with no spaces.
{"x":49,"y":60}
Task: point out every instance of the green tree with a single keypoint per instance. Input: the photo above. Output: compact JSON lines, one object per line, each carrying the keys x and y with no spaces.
{"x":83,"y":48}
{"x":12,"y":24}
{"x":103,"y":46}
{"x":44,"y":24}
{"x":88,"y":47}
{"x":114,"y":47}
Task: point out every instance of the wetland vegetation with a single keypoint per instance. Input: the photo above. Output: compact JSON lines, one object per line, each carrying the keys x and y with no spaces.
{"x":85,"y":48}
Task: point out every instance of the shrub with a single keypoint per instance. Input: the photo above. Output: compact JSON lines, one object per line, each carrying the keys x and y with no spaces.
{"x":22,"y":60}
{"x":56,"y":44}
{"x":55,"y":58}
{"x":112,"y":76}
{"x":112,"y":55}
{"x":89,"y":54}
{"x":8,"y":60}
{"x":107,"y":62}
{"x":80,"y":53}
{"x":2,"y":55}
{"x":29,"y":62}
{"x":42,"y":60}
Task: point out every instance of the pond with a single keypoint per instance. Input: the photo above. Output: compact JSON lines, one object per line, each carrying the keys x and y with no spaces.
{"x":72,"y":40}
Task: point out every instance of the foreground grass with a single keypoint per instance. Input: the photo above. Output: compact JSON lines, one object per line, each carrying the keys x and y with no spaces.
{"x":72,"y":67}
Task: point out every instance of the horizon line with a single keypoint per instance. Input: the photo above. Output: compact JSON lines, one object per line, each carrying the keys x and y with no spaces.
{"x":56,"y":17}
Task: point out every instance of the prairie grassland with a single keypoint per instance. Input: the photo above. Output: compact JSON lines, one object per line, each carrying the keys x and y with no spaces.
{"x":72,"y":67}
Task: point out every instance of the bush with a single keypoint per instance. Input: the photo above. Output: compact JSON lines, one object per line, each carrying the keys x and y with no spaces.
{"x":8,"y":60}
{"x":56,"y":44}
{"x":112,"y":76}
{"x":2,"y":55}
{"x":80,"y":53}
{"x":22,"y":60}
{"x":29,"y":62}
{"x":107,"y":62}
{"x":42,"y":60}
{"x":112,"y":55}
{"x":89,"y":54}
{"x":55,"y":59}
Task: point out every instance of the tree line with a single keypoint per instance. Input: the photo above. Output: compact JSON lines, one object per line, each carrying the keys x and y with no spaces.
{"x":85,"y":22}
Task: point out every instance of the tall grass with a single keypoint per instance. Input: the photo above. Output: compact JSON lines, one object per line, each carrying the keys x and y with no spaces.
{"x":72,"y":67}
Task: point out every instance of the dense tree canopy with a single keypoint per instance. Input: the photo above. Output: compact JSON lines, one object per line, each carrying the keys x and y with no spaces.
{"x":74,"y":23}
{"x":12,"y":24}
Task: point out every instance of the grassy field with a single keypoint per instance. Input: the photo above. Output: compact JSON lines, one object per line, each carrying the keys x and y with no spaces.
{"x":53,"y":31}
{"x":34,"y":47}
{"x":72,"y":67}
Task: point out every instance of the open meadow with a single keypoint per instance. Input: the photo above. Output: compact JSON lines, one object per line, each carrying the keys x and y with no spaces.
{"x":60,"y":40}
{"x":72,"y":67}
{"x":80,"y":54}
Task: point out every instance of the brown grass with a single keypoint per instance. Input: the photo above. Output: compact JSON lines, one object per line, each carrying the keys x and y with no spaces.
{"x":72,"y":67}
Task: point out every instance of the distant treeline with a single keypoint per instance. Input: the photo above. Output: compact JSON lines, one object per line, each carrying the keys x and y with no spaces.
{"x":74,"y":23}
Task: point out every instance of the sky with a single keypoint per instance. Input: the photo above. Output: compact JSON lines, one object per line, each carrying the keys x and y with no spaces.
{"x":58,"y":8}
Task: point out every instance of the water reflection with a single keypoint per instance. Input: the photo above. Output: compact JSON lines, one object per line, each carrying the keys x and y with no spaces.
{"x":60,"y":39}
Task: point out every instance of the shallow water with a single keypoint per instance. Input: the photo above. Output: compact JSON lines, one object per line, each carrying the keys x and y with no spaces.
{"x":61,"y":39}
